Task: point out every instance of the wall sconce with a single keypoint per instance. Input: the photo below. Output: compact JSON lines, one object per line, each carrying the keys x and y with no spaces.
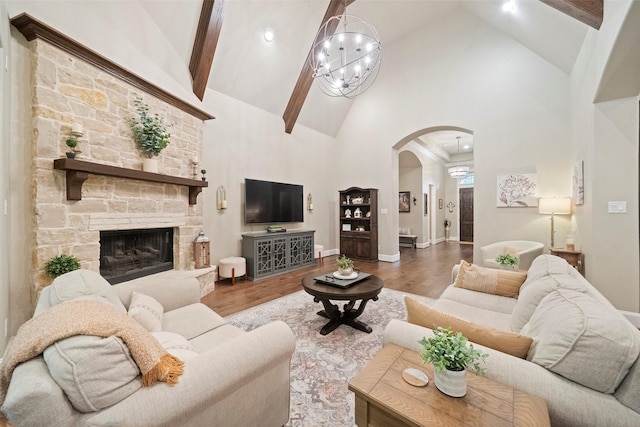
{"x":309,"y":202}
{"x":201,"y":252}
{"x":414,"y":200}
{"x":554,"y":206}
{"x":451,"y":206}
{"x":221,"y":198}
{"x":194,"y":168}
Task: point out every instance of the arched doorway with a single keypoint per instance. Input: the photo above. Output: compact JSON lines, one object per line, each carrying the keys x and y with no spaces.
{"x":432,"y":151}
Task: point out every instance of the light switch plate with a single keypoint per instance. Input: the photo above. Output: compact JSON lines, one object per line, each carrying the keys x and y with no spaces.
{"x":617,"y":207}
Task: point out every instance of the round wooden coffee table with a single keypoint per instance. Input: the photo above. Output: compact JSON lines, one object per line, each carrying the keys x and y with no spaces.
{"x":363,"y":291}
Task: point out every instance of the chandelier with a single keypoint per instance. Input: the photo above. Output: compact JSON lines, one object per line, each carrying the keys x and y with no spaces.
{"x":346,"y":56}
{"x":458,"y":171}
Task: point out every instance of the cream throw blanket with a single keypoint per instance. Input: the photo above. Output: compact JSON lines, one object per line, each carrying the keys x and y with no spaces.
{"x":89,"y":317}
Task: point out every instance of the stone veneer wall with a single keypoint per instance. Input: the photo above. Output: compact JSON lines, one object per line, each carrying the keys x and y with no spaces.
{"x":67,"y":90}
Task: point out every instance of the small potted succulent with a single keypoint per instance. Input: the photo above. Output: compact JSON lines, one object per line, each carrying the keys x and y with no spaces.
{"x":508,"y":261}
{"x":345,"y":266}
{"x":72,"y":143}
{"x":61,"y":264}
{"x":451,"y":354}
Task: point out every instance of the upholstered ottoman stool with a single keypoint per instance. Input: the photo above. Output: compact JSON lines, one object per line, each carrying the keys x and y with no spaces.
{"x":318,"y":252}
{"x":232,"y":267}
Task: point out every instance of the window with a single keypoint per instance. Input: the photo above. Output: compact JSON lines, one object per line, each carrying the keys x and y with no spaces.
{"x":467,"y":180}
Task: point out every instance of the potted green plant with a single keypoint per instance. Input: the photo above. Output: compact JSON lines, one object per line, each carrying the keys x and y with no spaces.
{"x":447,"y":229}
{"x":345,"y":266}
{"x":150,"y":133}
{"x":72,"y":143}
{"x":508,"y":261}
{"x":61,"y":264}
{"x":451,"y":354}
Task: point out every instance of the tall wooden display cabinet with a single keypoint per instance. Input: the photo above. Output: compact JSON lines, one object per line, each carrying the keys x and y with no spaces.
{"x":359,"y":223}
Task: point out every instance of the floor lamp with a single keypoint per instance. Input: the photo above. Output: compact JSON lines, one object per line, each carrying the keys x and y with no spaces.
{"x":554,"y":206}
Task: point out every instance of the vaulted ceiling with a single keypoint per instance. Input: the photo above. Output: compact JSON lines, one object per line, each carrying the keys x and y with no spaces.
{"x":230,"y":55}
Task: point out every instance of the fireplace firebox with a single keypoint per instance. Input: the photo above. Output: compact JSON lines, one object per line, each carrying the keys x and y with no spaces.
{"x":129,"y":254}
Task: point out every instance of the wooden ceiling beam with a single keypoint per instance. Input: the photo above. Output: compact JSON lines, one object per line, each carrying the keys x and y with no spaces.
{"x":205,"y":43}
{"x":590,"y":12}
{"x":301,"y":89}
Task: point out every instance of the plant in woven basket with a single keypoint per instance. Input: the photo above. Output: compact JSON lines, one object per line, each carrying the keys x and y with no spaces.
{"x":61,"y":264}
{"x":345,"y":265}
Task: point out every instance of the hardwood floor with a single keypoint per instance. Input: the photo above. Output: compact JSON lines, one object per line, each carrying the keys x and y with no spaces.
{"x":420,"y":271}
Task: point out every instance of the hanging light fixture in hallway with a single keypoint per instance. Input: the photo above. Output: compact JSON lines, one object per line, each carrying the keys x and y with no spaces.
{"x":458,"y":171}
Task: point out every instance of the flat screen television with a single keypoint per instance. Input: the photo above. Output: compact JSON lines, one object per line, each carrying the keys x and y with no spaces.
{"x":270,"y":202}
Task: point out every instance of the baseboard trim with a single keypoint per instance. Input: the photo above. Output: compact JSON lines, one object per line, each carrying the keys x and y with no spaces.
{"x":389,"y":258}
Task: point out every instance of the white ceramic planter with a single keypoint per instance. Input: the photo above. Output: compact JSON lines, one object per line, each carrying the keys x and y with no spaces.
{"x":150,"y":165}
{"x":452,"y":383}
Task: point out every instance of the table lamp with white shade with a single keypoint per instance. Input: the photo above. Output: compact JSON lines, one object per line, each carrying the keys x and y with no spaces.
{"x":554,"y":206}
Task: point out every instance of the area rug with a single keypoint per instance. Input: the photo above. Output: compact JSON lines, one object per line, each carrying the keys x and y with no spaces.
{"x":322,"y":366}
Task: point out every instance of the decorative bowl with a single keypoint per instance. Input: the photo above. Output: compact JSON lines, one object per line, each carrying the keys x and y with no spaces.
{"x":357,"y":200}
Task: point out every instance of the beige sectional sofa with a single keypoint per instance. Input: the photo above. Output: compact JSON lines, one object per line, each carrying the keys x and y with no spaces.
{"x":583,"y":360}
{"x":231,"y":377}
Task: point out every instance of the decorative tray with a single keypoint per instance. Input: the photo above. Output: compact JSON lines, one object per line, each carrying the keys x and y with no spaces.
{"x":334,"y":280}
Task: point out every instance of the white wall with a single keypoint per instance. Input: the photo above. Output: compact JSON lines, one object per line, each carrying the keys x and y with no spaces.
{"x":246,"y":142}
{"x":515,"y":103}
{"x":410,"y":179}
{"x":5,"y":99}
{"x":606,"y":137}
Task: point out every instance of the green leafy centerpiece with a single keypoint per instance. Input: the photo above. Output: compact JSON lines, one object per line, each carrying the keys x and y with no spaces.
{"x":345,"y":266}
{"x":451,"y":354}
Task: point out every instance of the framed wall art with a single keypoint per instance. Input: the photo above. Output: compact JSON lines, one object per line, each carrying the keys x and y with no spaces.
{"x":578,"y":183}
{"x":517,"y":190}
{"x":404,"y":204}
{"x":426,"y":204}
{"x":440,"y":203}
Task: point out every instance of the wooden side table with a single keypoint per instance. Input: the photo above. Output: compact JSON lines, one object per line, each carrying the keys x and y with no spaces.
{"x":383,"y":398}
{"x":574,"y":258}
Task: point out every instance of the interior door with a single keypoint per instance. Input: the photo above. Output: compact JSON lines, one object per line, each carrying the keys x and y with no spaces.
{"x":466,"y":214}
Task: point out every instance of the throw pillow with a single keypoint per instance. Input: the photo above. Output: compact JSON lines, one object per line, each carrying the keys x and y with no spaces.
{"x":176,"y":345}
{"x":490,"y":280}
{"x":506,"y":342}
{"x":582,"y":340}
{"x":94,"y":372}
{"x":146,"y":311}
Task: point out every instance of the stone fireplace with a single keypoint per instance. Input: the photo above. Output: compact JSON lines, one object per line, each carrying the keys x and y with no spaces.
{"x":68,"y":90}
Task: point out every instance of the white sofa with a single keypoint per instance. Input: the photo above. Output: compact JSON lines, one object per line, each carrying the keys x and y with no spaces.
{"x":590,"y":341}
{"x":232,"y":378}
{"x":526,"y":251}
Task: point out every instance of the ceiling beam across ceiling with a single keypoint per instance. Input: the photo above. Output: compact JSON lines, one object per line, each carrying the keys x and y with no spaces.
{"x":205,"y":43}
{"x":301,"y":89}
{"x":589,"y":12}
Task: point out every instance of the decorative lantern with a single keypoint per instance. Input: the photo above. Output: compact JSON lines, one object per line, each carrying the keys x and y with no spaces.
{"x":201,"y":251}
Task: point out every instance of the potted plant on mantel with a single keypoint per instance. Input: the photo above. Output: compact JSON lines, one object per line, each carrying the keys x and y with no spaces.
{"x":72,"y":143}
{"x":451,"y":354}
{"x":150,"y":133}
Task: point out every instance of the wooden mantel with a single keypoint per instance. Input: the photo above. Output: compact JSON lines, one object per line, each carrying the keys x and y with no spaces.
{"x":78,"y":171}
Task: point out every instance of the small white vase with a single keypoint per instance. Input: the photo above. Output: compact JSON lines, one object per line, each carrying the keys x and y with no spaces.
{"x":150,"y":165}
{"x":452,"y":383}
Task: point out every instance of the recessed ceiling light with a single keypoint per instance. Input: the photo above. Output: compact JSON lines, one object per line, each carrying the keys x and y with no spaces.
{"x":466,"y":147}
{"x":509,"y":6}
{"x":268,"y":34}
